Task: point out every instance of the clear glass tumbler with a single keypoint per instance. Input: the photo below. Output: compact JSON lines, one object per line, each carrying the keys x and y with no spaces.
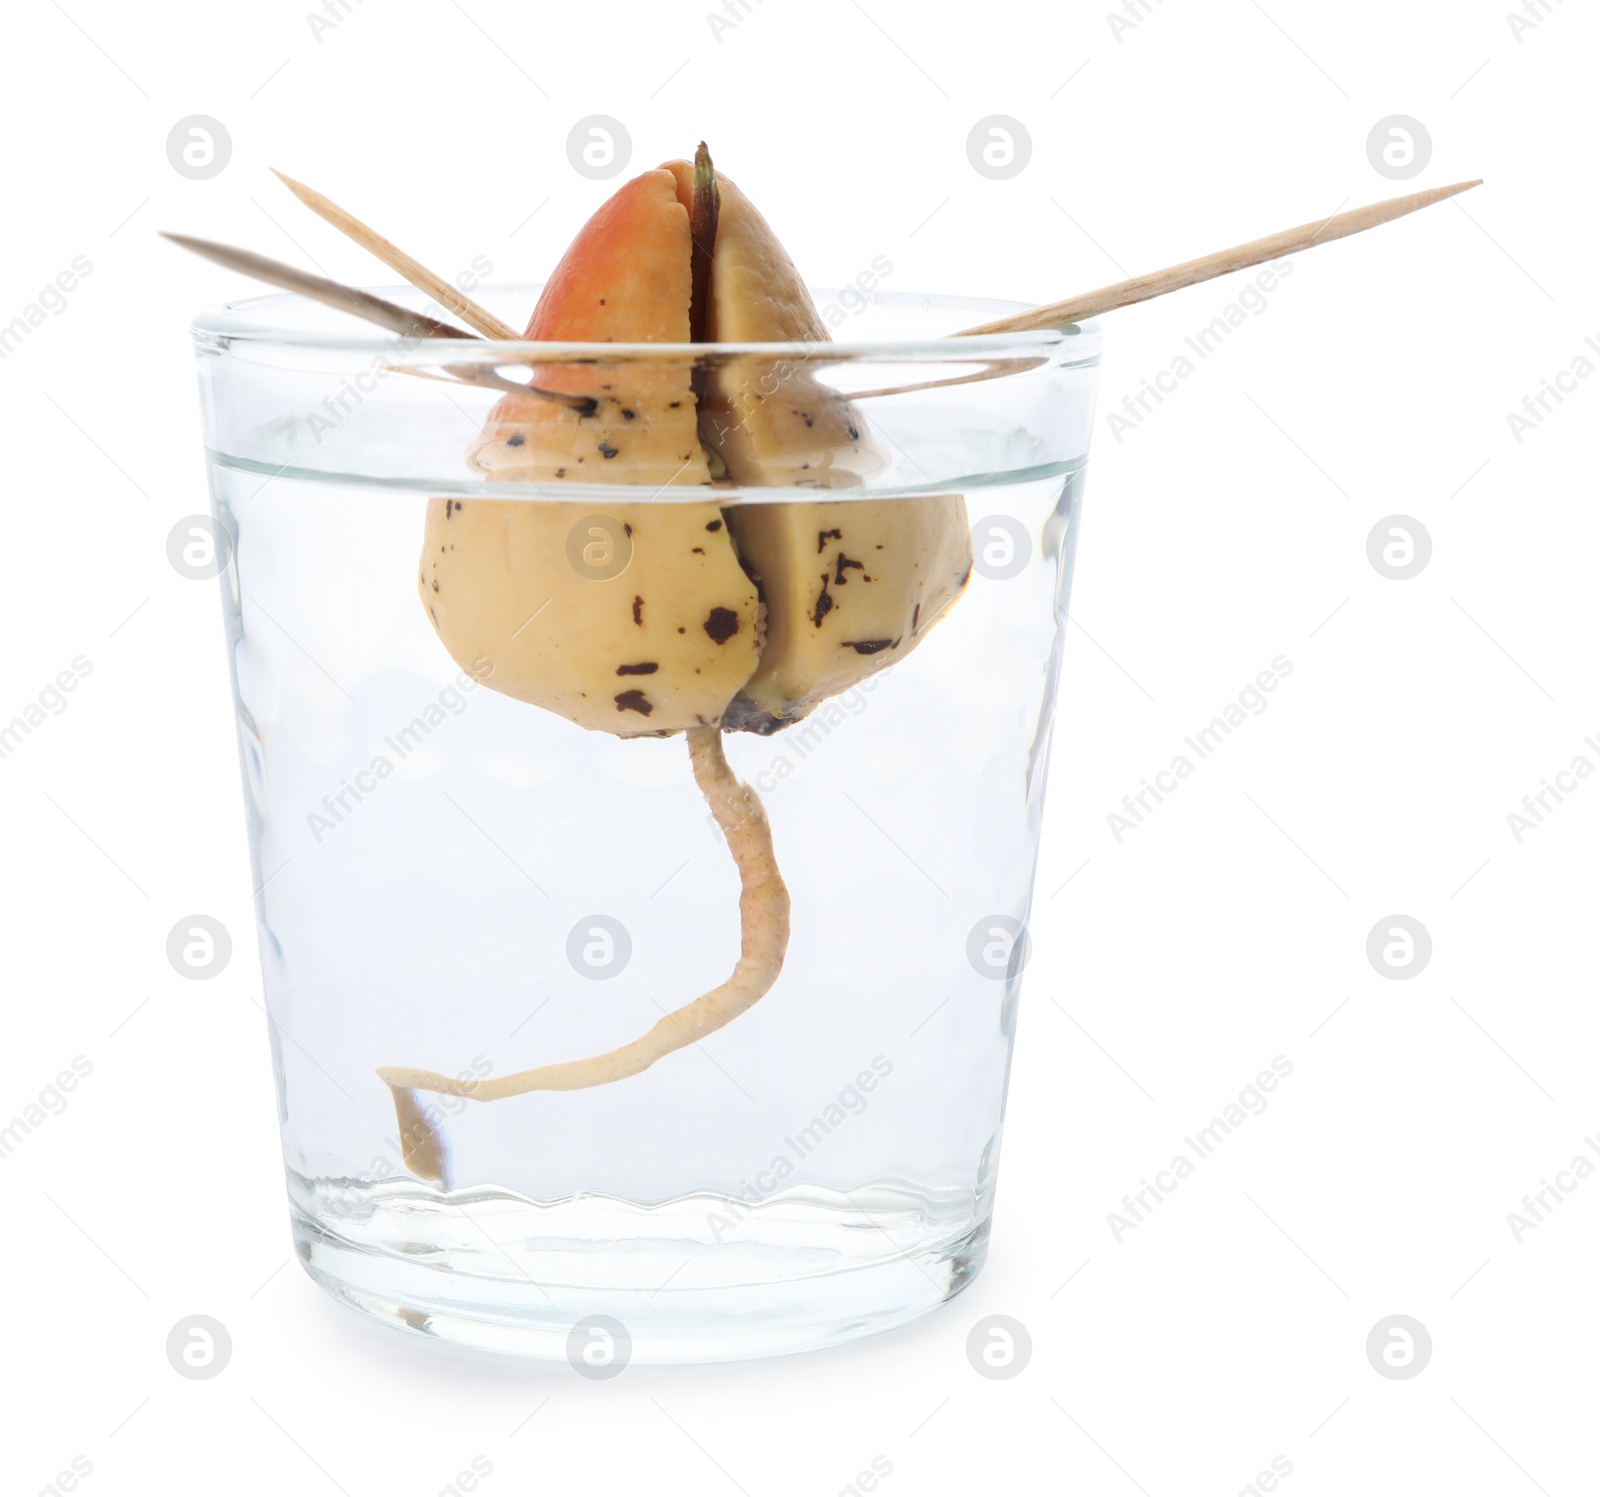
{"x":454,"y":880}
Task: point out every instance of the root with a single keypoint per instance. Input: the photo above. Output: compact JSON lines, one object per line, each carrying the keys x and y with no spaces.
{"x":764,"y":939}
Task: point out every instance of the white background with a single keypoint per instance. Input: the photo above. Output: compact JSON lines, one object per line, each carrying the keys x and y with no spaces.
{"x":1229,"y":528}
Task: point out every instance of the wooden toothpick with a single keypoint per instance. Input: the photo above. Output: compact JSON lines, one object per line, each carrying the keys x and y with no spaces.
{"x":479,"y":318}
{"x":1160,"y":282}
{"x":318,"y":288}
{"x":371,"y":308}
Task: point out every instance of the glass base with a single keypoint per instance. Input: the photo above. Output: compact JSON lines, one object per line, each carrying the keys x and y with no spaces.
{"x":596,"y":1280}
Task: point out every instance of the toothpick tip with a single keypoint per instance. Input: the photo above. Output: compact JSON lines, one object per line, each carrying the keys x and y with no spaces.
{"x":307,"y":195}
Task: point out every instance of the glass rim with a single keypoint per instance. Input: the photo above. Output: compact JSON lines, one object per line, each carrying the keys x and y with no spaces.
{"x":238,"y":321}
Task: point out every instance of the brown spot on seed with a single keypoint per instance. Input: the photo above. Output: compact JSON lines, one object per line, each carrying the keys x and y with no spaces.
{"x":643,"y":668}
{"x":824,"y":604}
{"x":634,"y":701}
{"x":869,"y":646}
{"x":722,"y":624}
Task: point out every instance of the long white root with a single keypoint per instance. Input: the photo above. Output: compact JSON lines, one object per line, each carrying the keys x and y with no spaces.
{"x":764,"y":940}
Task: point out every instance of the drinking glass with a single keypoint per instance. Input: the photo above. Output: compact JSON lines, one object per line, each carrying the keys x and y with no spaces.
{"x":451,"y":878}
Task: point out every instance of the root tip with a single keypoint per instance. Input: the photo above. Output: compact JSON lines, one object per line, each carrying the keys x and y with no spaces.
{"x":421,"y":1144}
